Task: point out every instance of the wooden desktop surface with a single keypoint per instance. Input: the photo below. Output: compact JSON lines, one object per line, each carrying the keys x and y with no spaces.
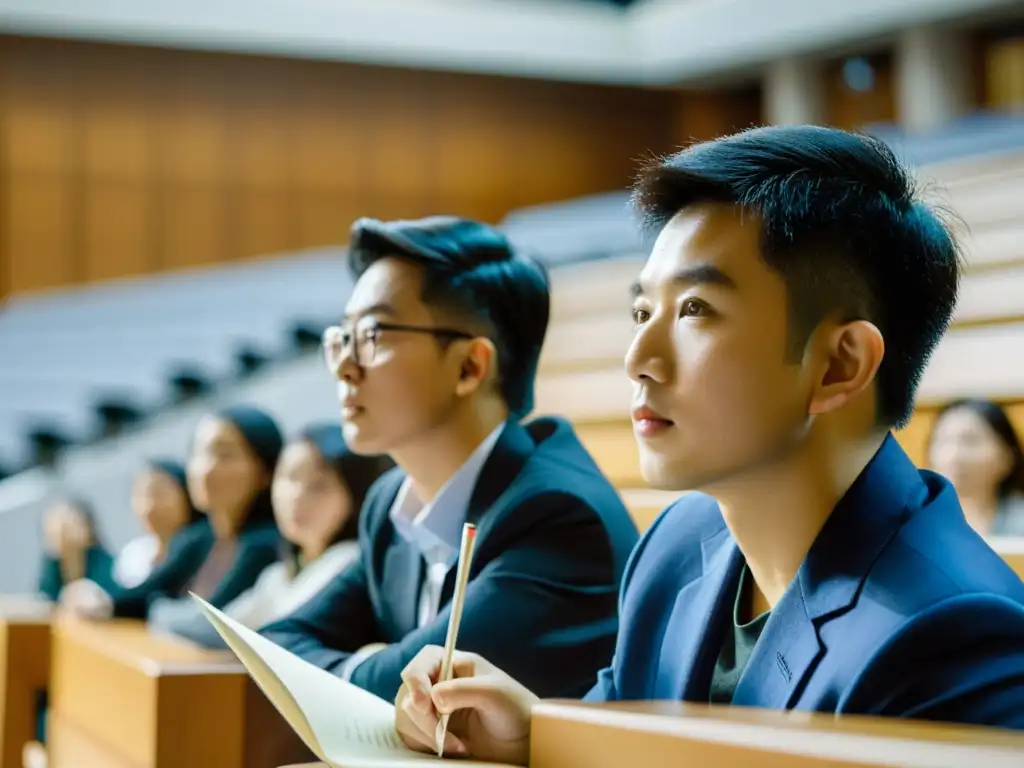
{"x":24,"y":670}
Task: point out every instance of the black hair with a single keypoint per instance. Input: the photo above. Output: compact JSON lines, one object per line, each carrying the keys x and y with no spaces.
{"x":176,"y":472}
{"x":843,"y":227}
{"x":263,"y":436}
{"x":999,"y":422}
{"x":355,"y":471}
{"x":473,"y":271}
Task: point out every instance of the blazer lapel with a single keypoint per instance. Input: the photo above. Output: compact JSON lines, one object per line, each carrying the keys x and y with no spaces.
{"x":830,"y":578}
{"x":784,"y":655}
{"x":509,"y":455}
{"x":695,"y":626}
{"x":402,"y":568}
{"x":403,"y":577}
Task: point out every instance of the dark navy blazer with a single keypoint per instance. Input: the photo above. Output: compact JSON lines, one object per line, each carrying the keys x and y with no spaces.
{"x":899,"y":608}
{"x":553,"y":539}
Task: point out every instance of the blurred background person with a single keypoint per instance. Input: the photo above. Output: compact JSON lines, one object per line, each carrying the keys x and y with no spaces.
{"x":162,"y":505}
{"x":229,"y":469}
{"x":72,"y":549}
{"x":318,"y":491}
{"x":974,"y":444}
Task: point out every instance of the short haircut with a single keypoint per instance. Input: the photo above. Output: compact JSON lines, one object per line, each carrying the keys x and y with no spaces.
{"x":472,"y":271}
{"x":842,"y":226}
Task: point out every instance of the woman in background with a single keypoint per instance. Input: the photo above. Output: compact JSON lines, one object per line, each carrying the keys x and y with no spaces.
{"x":318,"y":489}
{"x":161,"y":502}
{"x":974,"y":444}
{"x":72,"y":549}
{"x":230,"y":465}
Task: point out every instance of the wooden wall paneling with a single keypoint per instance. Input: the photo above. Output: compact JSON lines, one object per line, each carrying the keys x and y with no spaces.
{"x":327,"y":154}
{"x":192,"y":162}
{"x":850,"y":109}
{"x":125,"y":160}
{"x":118,"y":92}
{"x":38,"y":181}
{"x":1004,"y":65}
{"x":397,"y":157}
{"x":473,"y":122}
{"x":703,"y":115}
{"x":264,"y":210}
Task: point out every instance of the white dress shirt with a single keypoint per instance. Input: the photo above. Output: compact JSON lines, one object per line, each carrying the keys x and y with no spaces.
{"x":135,"y":561}
{"x":435,"y":529}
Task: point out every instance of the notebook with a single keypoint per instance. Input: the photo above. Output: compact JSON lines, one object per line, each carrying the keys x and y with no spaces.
{"x":344,"y":726}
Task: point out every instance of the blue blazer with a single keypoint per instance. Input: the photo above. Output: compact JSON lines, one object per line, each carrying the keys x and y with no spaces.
{"x":553,"y":539}
{"x":898,"y":609}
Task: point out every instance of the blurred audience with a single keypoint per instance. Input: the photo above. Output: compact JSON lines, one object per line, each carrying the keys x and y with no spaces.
{"x":974,"y":444}
{"x":229,"y":469}
{"x":72,"y":549}
{"x":318,"y":490}
{"x":161,"y":502}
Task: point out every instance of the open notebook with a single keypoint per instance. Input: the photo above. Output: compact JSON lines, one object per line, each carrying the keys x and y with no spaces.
{"x":343,"y":725}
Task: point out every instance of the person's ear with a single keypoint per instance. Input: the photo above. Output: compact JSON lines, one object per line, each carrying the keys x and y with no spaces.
{"x":850,"y":354}
{"x":477,"y":366}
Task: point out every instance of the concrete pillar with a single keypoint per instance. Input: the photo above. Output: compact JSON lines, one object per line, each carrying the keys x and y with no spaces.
{"x":934,"y":77}
{"x":794,"y":92}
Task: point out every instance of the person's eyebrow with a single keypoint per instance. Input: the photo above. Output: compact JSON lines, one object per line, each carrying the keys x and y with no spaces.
{"x":699,"y":274}
{"x":380,"y":308}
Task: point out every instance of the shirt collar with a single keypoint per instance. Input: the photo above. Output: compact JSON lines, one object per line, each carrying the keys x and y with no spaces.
{"x":436,"y":528}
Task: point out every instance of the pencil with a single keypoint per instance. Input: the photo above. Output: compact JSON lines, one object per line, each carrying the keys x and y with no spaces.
{"x":458,"y":598}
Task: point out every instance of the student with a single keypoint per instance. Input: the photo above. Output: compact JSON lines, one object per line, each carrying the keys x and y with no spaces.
{"x":161,"y":502}
{"x":72,"y":549}
{"x":318,"y":489}
{"x":229,"y":468}
{"x":435,"y":362}
{"x":782,"y":321}
{"x":974,"y":444}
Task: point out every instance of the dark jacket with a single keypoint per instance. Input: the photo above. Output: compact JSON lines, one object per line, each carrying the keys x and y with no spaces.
{"x":552,"y":540}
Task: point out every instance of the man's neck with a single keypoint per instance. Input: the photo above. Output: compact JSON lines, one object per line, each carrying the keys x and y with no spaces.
{"x":431,"y":461}
{"x":777,"y":512}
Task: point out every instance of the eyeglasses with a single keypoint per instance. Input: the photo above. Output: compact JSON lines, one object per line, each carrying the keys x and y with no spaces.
{"x":363,"y":338}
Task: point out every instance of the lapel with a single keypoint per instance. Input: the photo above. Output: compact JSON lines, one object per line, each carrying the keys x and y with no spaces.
{"x":510,"y":453}
{"x":402,"y":572}
{"x":694,"y":630}
{"x":830,"y":578}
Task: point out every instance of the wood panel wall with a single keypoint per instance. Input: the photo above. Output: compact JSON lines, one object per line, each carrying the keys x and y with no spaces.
{"x":850,"y":109}
{"x":707,"y":114}
{"x":118,"y":160}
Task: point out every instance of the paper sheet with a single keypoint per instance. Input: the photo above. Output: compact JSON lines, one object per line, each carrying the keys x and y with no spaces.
{"x":342,"y":724}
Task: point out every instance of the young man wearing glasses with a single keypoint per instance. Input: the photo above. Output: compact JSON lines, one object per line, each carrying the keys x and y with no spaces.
{"x":435,"y":362}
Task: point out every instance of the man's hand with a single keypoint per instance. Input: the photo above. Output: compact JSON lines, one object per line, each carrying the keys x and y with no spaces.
{"x":86,"y":599}
{"x":489,"y":711}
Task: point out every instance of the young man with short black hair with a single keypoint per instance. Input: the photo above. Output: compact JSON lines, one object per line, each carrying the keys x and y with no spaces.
{"x":435,"y":361}
{"x":782,"y":323}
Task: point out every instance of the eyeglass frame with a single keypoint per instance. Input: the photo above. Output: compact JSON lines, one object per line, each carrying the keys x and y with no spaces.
{"x":377,"y":328}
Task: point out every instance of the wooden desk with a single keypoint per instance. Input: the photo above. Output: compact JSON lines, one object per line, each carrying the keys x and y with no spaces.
{"x":671,"y":734}
{"x":1011,"y":549}
{"x":123,"y":698}
{"x":24,"y":670}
